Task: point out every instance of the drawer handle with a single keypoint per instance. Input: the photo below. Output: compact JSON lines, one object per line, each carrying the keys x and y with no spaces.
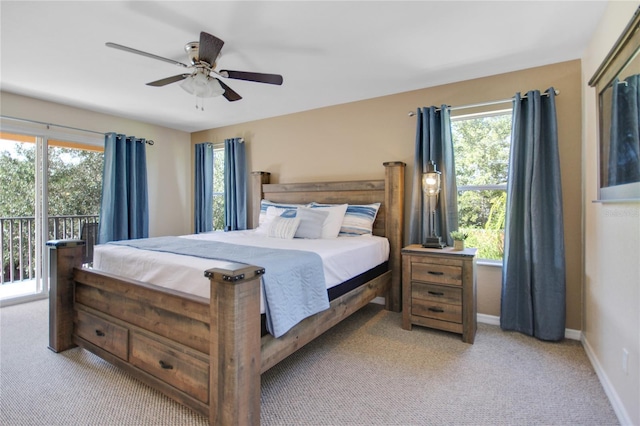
{"x":165,"y":365}
{"x":436,"y":273}
{"x":100,"y":333}
{"x":440,"y":310}
{"x":436,"y":293}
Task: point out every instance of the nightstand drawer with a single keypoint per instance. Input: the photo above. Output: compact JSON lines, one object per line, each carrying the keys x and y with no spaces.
{"x":434,"y":273}
{"x":107,"y":335}
{"x":440,"y":311}
{"x":437,"y":293}
{"x":179,"y":369}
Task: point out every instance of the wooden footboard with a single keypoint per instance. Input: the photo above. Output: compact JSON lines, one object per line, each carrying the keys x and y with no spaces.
{"x":204,"y":353}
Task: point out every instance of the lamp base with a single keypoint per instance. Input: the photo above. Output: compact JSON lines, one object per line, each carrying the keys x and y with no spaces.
{"x":434,"y":242}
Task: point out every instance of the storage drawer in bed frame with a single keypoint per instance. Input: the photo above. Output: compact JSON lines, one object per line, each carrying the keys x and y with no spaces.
{"x":152,"y":358}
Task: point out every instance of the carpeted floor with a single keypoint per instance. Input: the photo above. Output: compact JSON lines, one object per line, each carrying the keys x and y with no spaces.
{"x":365,"y":371}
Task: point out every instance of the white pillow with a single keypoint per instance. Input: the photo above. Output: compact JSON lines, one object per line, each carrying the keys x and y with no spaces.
{"x":311,"y":222}
{"x":284,"y":227}
{"x":332,"y":224}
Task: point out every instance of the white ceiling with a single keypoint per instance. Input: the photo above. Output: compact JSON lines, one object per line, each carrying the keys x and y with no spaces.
{"x":328,"y":52}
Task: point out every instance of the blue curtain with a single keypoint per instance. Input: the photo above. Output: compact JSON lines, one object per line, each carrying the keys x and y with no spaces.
{"x":235,"y":185}
{"x":203,"y":188}
{"x":434,"y":143}
{"x":533,"y":273}
{"x":624,"y":148}
{"x":124,"y":207}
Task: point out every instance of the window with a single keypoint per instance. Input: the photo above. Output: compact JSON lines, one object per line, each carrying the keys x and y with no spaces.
{"x":218,"y":188}
{"x":481,"y":144}
{"x":49,"y":188}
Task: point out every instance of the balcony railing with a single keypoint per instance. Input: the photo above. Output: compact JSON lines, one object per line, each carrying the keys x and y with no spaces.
{"x":18,"y":237}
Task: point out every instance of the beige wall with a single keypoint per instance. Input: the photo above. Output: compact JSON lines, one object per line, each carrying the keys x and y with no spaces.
{"x":351,"y":141}
{"x":169,"y":164}
{"x":611,"y":250}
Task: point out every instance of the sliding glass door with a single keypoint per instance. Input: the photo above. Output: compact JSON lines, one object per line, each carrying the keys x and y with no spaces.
{"x":49,"y":189}
{"x":19,"y":227}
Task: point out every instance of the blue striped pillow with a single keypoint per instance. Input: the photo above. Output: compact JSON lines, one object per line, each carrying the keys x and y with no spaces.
{"x":358,"y":220}
{"x":265,"y":204}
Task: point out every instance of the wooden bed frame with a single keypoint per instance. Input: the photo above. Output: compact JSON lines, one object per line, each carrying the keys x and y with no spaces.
{"x":208,"y":354}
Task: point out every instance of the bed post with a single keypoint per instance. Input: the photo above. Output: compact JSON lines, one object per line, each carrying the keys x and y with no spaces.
{"x":257,"y":180}
{"x":234,"y":351}
{"x":64,"y":256}
{"x":394,"y":229}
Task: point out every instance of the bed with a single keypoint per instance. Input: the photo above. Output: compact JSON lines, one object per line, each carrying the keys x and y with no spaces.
{"x":208,"y":353}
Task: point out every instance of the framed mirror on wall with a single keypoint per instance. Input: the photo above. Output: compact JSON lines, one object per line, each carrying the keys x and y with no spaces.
{"x":617,"y":83}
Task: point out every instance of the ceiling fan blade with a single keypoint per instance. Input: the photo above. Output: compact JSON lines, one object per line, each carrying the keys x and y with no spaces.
{"x":148,"y":55}
{"x":210,"y":47}
{"x":254,"y":76}
{"x":168,"y":80}
{"x":228,"y":92}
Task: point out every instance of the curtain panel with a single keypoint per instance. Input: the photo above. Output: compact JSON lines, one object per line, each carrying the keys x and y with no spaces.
{"x":124,"y":206}
{"x":235,"y":185}
{"x":433,"y":143}
{"x":533,"y":273}
{"x":203,"y":197}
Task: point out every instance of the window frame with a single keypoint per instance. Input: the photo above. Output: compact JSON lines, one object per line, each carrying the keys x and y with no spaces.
{"x":488,"y":187}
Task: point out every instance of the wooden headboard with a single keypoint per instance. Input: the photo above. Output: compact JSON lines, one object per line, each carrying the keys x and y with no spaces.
{"x":388,"y":191}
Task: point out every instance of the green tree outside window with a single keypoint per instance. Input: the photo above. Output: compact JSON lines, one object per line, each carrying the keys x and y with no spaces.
{"x":481,"y":150}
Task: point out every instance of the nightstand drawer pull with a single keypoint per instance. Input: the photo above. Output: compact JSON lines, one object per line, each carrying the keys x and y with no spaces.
{"x":165,"y":365}
{"x":100,"y":333}
{"x":436,"y":293}
{"x":435,"y":272}
{"x":440,"y":310}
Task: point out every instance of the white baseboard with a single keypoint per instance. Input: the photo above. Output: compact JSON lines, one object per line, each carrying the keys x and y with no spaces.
{"x":494,"y":320}
{"x":488,"y":319}
{"x":572,"y":334}
{"x":614,"y":399}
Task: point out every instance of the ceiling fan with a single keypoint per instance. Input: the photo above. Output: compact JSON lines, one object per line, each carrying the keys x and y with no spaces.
{"x":203,"y":80}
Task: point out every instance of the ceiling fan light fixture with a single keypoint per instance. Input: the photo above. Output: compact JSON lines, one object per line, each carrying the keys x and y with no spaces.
{"x":202,"y":85}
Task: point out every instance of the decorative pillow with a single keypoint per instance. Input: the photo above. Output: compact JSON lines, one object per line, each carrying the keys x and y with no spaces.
{"x":358,"y":220}
{"x":311,"y":222}
{"x":283,"y":227}
{"x":332,"y":224}
{"x":266,"y":219}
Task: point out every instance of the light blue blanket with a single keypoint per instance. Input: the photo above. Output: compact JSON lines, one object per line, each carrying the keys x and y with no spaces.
{"x":293,"y":283}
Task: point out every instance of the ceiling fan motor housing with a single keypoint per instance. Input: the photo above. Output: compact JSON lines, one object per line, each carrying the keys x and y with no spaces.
{"x":192,"y":49}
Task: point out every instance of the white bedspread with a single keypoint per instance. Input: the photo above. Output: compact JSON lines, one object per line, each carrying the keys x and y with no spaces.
{"x":343,"y":258}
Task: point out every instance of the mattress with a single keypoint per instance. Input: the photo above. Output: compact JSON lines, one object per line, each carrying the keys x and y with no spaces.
{"x":343,"y":258}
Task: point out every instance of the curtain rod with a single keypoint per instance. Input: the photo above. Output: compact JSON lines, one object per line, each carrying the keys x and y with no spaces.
{"x":149,"y":141}
{"x":488,"y":103}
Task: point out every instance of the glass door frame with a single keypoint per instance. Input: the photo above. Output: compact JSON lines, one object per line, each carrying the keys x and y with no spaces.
{"x":43,"y":133}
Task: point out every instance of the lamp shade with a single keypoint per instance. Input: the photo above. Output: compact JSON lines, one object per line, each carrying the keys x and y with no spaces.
{"x":202,"y":85}
{"x":431,"y":180}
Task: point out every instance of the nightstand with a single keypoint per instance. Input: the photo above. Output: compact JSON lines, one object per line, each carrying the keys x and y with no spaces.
{"x":439,"y":289}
